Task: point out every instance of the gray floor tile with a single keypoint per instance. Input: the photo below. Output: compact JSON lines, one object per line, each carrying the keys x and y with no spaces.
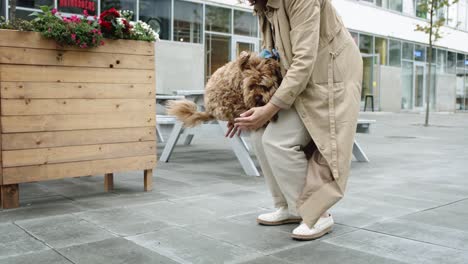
{"x":175,"y":214}
{"x":324,"y":253}
{"x":122,"y":221}
{"x":64,"y":231}
{"x":188,"y":247}
{"x":266,"y":260}
{"x":39,"y":207}
{"x":14,"y":242}
{"x":261,"y":238}
{"x":113,"y":251}
{"x":415,"y":230}
{"x":399,"y":249}
{"x":42,"y":257}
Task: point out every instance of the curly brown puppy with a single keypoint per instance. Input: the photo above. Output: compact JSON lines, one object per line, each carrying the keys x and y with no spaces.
{"x":249,"y":81}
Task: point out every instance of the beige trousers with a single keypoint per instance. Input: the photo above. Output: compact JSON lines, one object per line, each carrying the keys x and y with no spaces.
{"x":279,"y":151}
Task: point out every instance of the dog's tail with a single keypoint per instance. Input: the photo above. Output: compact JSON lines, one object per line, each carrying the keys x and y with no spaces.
{"x":186,"y":111}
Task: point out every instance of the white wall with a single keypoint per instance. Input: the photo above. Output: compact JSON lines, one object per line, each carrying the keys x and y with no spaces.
{"x":179,"y":66}
{"x":378,"y":21}
{"x":445,"y":93}
{"x":390,"y":89}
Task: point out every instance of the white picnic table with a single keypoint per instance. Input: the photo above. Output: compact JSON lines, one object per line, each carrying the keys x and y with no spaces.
{"x":238,"y":143}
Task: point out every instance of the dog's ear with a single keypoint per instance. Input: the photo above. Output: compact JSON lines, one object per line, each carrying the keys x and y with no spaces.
{"x":243,"y":59}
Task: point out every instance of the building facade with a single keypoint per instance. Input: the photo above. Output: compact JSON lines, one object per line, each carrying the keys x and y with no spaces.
{"x":199,"y":36}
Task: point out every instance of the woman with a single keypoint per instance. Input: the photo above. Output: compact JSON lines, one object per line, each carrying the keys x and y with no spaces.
{"x":318,"y":105}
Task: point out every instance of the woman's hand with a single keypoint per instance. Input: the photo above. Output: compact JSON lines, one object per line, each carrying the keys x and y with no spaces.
{"x":232,"y":130}
{"x":256,"y":117}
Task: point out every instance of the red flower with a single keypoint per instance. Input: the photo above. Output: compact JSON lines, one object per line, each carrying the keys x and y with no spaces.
{"x":102,"y":43}
{"x":54,"y":11}
{"x":127,"y":25}
{"x":107,"y":26}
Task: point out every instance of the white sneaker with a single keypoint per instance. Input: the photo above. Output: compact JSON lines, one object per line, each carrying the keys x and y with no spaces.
{"x":279,"y":217}
{"x":322,"y":227}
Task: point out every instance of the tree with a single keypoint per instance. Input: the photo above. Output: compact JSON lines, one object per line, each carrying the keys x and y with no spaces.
{"x":432,"y":29}
{"x":12,"y":12}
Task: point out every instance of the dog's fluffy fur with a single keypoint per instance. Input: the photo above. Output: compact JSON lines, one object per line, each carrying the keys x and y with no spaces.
{"x":249,"y":81}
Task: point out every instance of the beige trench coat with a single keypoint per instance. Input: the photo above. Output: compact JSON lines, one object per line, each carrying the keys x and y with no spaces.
{"x":322,"y":69}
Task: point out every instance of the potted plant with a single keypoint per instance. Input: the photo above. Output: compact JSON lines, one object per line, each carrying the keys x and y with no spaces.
{"x":77,"y":98}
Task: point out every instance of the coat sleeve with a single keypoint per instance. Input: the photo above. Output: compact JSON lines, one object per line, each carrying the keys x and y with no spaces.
{"x":304,"y":18}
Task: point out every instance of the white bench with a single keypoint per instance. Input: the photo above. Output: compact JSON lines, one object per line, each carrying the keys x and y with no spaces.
{"x":363,"y":126}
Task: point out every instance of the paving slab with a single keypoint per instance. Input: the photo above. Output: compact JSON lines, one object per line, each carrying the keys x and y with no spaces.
{"x":189,"y":247}
{"x":325,"y":253}
{"x":46,"y":257}
{"x":115,"y":251}
{"x":64,"y":231}
{"x":400,"y":249}
{"x":14,"y":241}
{"x":415,"y":230}
{"x":122,"y":221}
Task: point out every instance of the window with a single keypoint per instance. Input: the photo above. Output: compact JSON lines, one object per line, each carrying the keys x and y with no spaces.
{"x":119,"y":5}
{"x":218,"y":52}
{"x":442,"y":61}
{"x":395,"y":5}
{"x":188,"y":22}
{"x":451,"y":62}
{"x":245,"y":23}
{"x":365,"y":43}
{"x":23,"y":14}
{"x":381,"y":49}
{"x":34,"y":4}
{"x":461,"y":14}
{"x":217,"y":19}
{"x":407,"y":85}
{"x":157,"y":14}
{"x":420,"y":11}
{"x":394,"y":53}
{"x":460,"y":60}
{"x":2,"y":9}
{"x":67,"y":6}
{"x":408,"y":7}
{"x":452,"y":15}
{"x":434,"y":54}
{"x":408,"y":49}
{"x":419,"y":53}
{"x":355,"y":37}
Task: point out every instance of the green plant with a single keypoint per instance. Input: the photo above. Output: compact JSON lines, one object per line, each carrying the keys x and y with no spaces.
{"x":73,"y":31}
{"x":16,"y":24}
{"x":433,"y":29}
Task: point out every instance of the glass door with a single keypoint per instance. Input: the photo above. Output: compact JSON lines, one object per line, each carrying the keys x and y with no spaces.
{"x":240,"y":44}
{"x":419,"y":86}
{"x":371,"y":79}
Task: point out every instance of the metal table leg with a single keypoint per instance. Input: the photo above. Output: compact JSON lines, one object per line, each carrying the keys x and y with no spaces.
{"x":241,"y":152}
{"x":172,"y":141}
{"x":359,"y":153}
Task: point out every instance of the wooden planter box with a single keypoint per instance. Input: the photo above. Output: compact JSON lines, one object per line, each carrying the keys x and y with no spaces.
{"x":68,"y":112}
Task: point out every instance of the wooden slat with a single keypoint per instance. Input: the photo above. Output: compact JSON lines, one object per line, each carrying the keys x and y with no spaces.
{"x":75,"y":106}
{"x":17,"y":141}
{"x":15,"y":124}
{"x":148,"y":180}
{"x":27,"y":157}
{"x":75,"y":169}
{"x":11,"y":38}
{"x":108,"y":182}
{"x":26,"y":73}
{"x":28,"y":56}
{"x":9,"y":196}
{"x":54,"y":90}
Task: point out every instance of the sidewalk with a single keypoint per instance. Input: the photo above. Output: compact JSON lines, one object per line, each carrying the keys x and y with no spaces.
{"x":408,"y":205}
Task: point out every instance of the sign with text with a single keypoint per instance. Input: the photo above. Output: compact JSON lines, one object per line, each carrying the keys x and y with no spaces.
{"x":77,"y":6}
